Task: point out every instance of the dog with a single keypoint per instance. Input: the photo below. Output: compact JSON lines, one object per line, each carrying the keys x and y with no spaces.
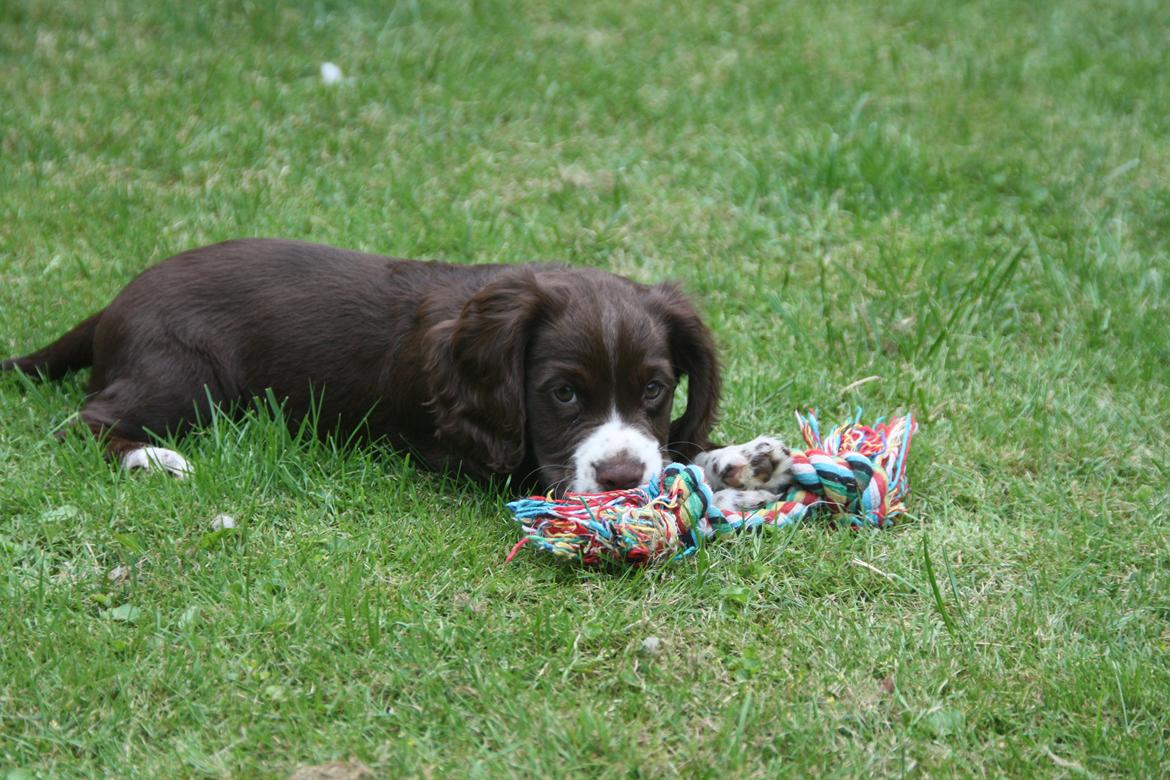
{"x":557,"y":377}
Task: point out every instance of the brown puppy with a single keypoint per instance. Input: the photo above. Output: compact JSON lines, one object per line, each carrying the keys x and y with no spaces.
{"x":562,"y":375}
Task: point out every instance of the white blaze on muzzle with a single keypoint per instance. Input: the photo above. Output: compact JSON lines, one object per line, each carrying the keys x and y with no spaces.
{"x":614,"y":440}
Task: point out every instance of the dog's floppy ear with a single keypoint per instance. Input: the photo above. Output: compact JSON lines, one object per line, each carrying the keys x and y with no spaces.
{"x":692,"y":351}
{"x":475,"y":368}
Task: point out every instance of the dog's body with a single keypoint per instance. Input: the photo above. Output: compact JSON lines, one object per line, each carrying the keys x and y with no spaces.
{"x":560,"y":376}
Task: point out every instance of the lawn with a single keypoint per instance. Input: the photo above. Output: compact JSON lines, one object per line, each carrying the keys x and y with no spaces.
{"x":957,"y":209}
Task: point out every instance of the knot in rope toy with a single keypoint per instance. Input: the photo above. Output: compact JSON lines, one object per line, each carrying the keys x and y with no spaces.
{"x":856,"y":472}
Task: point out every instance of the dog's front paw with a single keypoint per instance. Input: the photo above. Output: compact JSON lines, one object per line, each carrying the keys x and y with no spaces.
{"x":733,"y":500}
{"x":764,"y":463}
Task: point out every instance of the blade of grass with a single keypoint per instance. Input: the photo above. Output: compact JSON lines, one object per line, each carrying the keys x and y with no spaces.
{"x":952,"y":629}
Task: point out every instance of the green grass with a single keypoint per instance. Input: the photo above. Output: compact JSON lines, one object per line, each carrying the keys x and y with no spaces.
{"x":966,"y":201}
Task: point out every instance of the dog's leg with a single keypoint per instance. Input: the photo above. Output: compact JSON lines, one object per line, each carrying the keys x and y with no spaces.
{"x":748,"y":476}
{"x":124,"y":433}
{"x":732,"y":500}
{"x":762,"y":464}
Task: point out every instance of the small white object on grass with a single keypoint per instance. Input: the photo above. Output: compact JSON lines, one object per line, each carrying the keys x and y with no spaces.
{"x":651,"y":645}
{"x":220,"y":522}
{"x":330,"y":73}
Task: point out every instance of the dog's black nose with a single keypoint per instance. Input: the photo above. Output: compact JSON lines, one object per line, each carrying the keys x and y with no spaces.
{"x":619,"y":474}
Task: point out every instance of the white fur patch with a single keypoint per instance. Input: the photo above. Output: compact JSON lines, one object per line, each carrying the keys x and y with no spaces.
{"x":155,"y":459}
{"x":732,"y":500}
{"x":612,"y":441}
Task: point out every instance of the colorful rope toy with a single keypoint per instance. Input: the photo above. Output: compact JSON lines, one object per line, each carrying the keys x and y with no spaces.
{"x":856,"y":472}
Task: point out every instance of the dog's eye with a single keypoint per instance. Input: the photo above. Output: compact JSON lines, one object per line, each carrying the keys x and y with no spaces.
{"x":565,"y":394}
{"x":653,"y":390}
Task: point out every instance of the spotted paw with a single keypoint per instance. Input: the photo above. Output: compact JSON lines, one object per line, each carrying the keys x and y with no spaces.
{"x":157,"y":459}
{"x":733,"y":500}
{"x":764,"y":463}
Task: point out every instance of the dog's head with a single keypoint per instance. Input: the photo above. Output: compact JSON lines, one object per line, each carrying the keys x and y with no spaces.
{"x":572,"y":373}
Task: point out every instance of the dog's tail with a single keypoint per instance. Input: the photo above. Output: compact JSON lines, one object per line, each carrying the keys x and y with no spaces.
{"x":72,"y":351}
